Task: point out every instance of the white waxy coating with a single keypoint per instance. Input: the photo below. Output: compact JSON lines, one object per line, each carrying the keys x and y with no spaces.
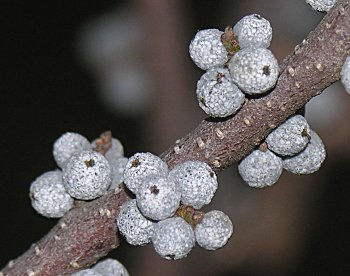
{"x":87,"y":175}
{"x":196,"y":181}
{"x":117,"y":165}
{"x":255,"y":71}
{"x":207,"y":50}
{"x":173,"y":238}
{"x":217,"y":95}
{"x":291,"y":137}
{"x":345,"y":75}
{"x":67,"y":145}
{"x":116,"y":149}
{"x":260,"y":168}
{"x":253,"y":31}
{"x":158,"y":197}
{"x":214,"y":230}
{"x":141,"y":165}
{"x":133,"y":225}
{"x":48,"y":195}
{"x":309,"y":160}
{"x":110,"y":267}
{"x":321,"y":5}
{"x":87,"y":272}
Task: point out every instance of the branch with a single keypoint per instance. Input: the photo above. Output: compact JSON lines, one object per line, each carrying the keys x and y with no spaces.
{"x":87,"y":233}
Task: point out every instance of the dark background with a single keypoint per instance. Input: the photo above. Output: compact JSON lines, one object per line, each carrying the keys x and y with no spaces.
{"x":46,"y":91}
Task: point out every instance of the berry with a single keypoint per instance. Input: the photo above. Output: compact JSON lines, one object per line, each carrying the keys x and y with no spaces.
{"x":133,"y":225}
{"x":87,"y":175}
{"x":110,"y":267}
{"x":207,"y":50}
{"x":173,"y":238}
{"x":214,"y":230}
{"x":158,"y":197}
{"x":254,"y":70}
{"x":87,"y":272}
{"x":117,"y":165}
{"x":141,"y":165}
{"x":68,"y":144}
{"x":309,"y":160}
{"x":260,"y":168}
{"x":196,"y":181}
{"x":291,"y":137}
{"x":217,"y":95}
{"x":116,"y":149}
{"x":48,"y":195}
{"x":253,"y":31}
{"x":345,"y":75}
{"x":321,"y":5}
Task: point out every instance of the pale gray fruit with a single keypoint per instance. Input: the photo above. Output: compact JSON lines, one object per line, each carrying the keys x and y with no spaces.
{"x":207,"y":50}
{"x":67,"y":145}
{"x":260,"y":168}
{"x":217,"y":95}
{"x":48,"y":195}
{"x":117,"y":165}
{"x":173,"y":238}
{"x":309,"y":160}
{"x":214,"y":230}
{"x":253,"y":31}
{"x":87,"y":175}
{"x":110,"y":267}
{"x":87,"y":272}
{"x":345,"y":75}
{"x":321,"y":5}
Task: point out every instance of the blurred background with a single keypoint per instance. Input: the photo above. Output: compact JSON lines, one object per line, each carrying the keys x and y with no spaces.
{"x":124,"y":66}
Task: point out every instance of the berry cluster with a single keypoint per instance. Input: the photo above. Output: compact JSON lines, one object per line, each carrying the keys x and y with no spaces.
{"x":107,"y":267}
{"x":87,"y":171}
{"x":292,"y":146}
{"x":164,"y":210}
{"x":238,"y":63}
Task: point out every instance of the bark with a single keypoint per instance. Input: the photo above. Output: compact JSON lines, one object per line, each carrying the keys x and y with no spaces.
{"x":87,"y":233}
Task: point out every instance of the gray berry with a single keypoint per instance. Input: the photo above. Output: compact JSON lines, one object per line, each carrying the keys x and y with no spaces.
{"x":309,"y":160}
{"x":260,"y":168}
{"x":133,"y":225}
{"x":253,"y":31}
{"x":255,"y":71}
{"x":214,"y":230}
{"x":87,"y":175}
{"x":48,"y":195}
{"x":116,"y":150}
{"x":140,"y":166}
{"x":321,"y":5}
{"x":158,"y":197}
{"x":110,"y":267}
{"x":291,"y":137}
{"x":67,"y":145}
{"x":217,"y":95}
{"x":117,"y":165}
{"x":196,"y":181}
{"x":87,"y":272}
{"x":207,"y":50}
{"x":345,"y":75}
{"x":173,"y":238}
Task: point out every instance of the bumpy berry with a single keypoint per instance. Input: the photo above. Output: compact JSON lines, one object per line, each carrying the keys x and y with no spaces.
{"x":133,"y":225}
{"x":116,"y":149}
{"x":253,"y":31}
{"x":254,"y":70}
{"x":196,"y":181}
{"x":117,"y":165}
{"x":321,"y":5}
{"x":345,"y":75}
{"x":87,"y":272}
{"x":110,"y":267}
{"x":173,"y":238}
{"x":87,"y":175}
{"x":68,"y":144}
{"x":48,"y":195}
{"x":207,"y":50}
{"x":214,"y":230}
{"x":158,"y":197}
{"x":217,"y":95}
{"x":309,"y":160}
{"x":291,"y":137}
{"x":260,"y":168}
{"x":141,"y":165}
